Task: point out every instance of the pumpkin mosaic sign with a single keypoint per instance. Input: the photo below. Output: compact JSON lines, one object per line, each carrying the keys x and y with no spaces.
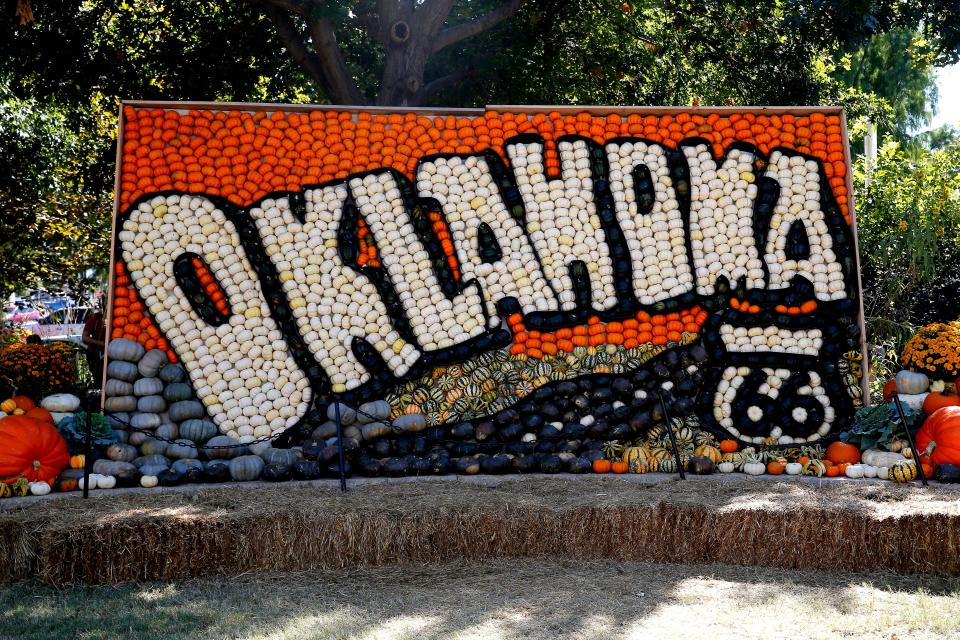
{"x":512,"y":277}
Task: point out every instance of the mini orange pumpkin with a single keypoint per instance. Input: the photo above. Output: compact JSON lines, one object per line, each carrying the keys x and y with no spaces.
{"x":78,"y":461}
{"x":833,"y":471}
{"x":775,"y":467}
{"x":619,"y":467}
{"x":728,"y":446}
{"x":602,"y":466}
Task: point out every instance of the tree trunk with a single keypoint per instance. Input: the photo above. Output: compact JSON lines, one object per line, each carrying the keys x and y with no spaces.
{"x":409,"y":31}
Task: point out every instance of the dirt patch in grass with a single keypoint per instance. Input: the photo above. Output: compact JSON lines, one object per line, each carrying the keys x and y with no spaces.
{"x":289,"y":527}
{"x":498,"y":599}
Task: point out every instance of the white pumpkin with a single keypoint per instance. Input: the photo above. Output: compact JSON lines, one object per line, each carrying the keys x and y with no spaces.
{"x":92,"y":484}
{"x":913,"y":401}
{"x":61,"y":403}
{"x":726,"y":467}
{"x":106,"y":482}
{"x":793,"y":469}
{"x":869,"y":471}
{"x":39,"y":488}
{"x":879,"y":458}
{"x":149,"y":482}
{"x":854,"y":471}
{"x":754,"y":468}
{"x":883,"y":473}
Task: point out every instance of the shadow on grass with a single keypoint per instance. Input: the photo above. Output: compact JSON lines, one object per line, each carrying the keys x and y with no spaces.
{"x":523,"y":598}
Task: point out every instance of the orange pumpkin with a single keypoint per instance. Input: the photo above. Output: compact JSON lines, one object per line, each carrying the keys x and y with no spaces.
{"x":775,"y":467}
{"x":619,"y":467}
{"x":940,"y":400}
{"x":602,"y":466}
{"x":39,"y":413}
{"x":32,"y":449}
{"x":841,"y":452}
{"x":23,"y":402}
{"x":940,"y":435}
{"x":728,"y":446}
{"x":833,"y":471}
{"x":889,"y":389}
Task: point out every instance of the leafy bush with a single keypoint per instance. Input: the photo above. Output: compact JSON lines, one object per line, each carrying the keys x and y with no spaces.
{"x":37,"y":370}
{"x":908,"y":220}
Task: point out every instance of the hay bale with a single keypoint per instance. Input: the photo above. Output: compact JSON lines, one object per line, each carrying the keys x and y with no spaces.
{"x":159,"y":535}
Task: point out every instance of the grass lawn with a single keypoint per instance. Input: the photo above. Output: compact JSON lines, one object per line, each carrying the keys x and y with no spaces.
{"x":523,"y":598}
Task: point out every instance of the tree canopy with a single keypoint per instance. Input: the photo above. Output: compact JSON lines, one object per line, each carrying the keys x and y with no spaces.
{"x":65,"y":72}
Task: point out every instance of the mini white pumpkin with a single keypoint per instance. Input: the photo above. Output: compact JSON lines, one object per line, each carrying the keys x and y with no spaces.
{"x":726,"y":467}
{"x":854,"y":471}
{"x":106,"y":482}
{"x":39,"y":488}
{"x":88,"y":482}
{"x":869,"y":471}
{"x":883,"y":473}
{"x":793,"y":468}
{"x":754,"y":468}
{"x":149,"y":482}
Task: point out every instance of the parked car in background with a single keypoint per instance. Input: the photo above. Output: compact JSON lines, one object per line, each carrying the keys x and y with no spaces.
{"x":62,"y":324}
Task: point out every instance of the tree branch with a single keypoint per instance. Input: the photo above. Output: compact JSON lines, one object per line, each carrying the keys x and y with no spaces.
{"x":326,"y":46}
{"x":443,"y":82}
{"x":293,"y":41}
{"x":325,"y":63}
{"x":456,"y":33}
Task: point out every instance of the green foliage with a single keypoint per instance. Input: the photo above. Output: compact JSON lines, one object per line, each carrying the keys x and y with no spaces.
{"x":908,"y":221}
{"x":61,"y":80}
{"x":74,"y":430}
{"x":52,"y":229}
{"x":897,"y":68}
{"x":876,"y":425}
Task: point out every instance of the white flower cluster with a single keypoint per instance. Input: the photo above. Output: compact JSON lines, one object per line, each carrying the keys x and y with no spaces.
{"x":800,"y":186}
{"x":732,"y":380}
{"x":775,"y":339}
{"x":562,"y":219}
{"x":242,"y":370}
{"x":468,"y":196}
{"x":656,"y":241}
{"x":721,"y":218}
{"x":332,"y":304}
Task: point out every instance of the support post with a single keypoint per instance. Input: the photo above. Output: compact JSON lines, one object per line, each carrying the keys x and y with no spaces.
{"x":342,"y":460}
{"x":673,"y":438}
{"x":913,"y":447}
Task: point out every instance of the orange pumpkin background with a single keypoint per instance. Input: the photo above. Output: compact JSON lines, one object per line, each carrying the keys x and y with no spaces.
{"x":244,"y":155}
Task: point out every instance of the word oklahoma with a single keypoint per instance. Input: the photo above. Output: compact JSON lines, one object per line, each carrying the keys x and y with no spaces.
{"x":626,"y":225}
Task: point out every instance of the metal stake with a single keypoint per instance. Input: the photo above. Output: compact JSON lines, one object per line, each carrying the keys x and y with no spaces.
{"x":913,"y":447}
{"x":88,"y":446}
{"x":343,"y":471}
{"x":673,"y":439}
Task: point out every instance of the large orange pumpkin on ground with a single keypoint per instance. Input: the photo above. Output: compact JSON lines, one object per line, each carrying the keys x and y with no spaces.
{"x":32,"y":449}
{"x":841,"y":452}
{"x":942,"y":431}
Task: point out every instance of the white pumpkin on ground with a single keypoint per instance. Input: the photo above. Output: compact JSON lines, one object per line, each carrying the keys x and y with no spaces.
{"x":39,"y":488}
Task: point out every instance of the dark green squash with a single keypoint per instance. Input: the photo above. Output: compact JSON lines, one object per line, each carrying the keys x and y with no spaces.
{"x":276,"y":472}
{"x":700,"y":465}
{"x":948,"y":473}
{"x":306,"y":470}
